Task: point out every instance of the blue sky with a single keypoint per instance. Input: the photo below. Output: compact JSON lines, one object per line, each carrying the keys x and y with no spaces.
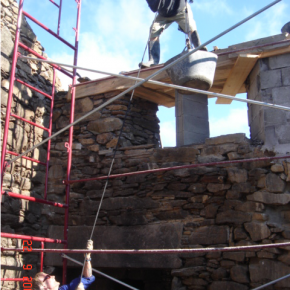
{"x":113,"y":36}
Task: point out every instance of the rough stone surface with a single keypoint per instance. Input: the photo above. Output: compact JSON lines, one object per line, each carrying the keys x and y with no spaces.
{"x":264,"y":270}
{"x":257,"y":231}
{"x":134,"y":237}
{"x":210,"y":235}
{"x":219,"y":206}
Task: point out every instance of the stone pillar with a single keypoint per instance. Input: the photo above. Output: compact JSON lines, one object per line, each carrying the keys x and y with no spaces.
{"x":270,"y":82}
{"x":191,"y":113}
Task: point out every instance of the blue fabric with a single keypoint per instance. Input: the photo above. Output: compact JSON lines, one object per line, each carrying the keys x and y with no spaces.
{"x":75,"y":282}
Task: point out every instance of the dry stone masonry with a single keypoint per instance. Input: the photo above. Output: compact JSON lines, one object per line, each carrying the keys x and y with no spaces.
{"x":21,"y":216}
{"x":270,"y":82}
{"x":214,"y":206}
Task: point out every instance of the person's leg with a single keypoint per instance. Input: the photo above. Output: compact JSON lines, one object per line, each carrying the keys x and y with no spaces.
{"x":156,"y":29}
{"x":187,"y":24}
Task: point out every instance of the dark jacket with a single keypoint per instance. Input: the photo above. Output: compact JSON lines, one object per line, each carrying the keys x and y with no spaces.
{"x":167,"y":8}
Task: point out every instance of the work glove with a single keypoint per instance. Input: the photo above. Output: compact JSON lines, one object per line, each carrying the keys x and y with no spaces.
{"x":90,"y":246}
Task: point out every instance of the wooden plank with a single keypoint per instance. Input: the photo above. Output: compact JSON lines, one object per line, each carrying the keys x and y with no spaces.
{"x":108,"y":84}
{"x":279,"y":51}
{"x":155,"y":97}
{"x":237,"y":77}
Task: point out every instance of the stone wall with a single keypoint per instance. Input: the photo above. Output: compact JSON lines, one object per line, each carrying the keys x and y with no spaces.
{"x":23,"y":176}
{"x":269,"y":82}
{"x":225,"y":205}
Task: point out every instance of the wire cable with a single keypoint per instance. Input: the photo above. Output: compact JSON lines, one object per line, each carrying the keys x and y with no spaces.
{"x":116,"y":147}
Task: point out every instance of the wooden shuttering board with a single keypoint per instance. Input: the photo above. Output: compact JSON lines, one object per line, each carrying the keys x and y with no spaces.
{"x":231,"y":72}
{"x":239,"y":73}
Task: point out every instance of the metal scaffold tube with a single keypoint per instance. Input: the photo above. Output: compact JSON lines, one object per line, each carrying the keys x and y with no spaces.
{"x":156,"y":251}
{"x":220,"y":163}
{"x":217,"y":95}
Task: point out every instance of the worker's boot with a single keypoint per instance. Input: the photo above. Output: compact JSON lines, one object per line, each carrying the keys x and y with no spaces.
{"x":154,"y":54}
{"x":196,"y":41}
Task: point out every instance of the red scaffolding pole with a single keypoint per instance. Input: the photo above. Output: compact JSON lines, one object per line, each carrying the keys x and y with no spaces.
{"x":6,"y":152}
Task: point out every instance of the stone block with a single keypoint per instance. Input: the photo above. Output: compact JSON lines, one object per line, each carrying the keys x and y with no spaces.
{"x":230,"y":138}
{"x":274,"y":183}
{"x":7,"y":45}
{"x":270,"y":198}
{"x":282,"y":133}
{"x":235,"y":256}
{"x":236,"y":175}
{"x":281,"y":96}
{"x":250,"y":206}
{"x":233,"y":217}
{"x":286,"y":76}
{"x":158,"y":236}
{"x":263,"y":271}
{"x":184,"y":154}
{"x":274,"y":117}
{"x":216,"y":187}
{"x":5,"y":65}
{"x":226,"y":285}
{"x":105,"y":125}
{"x":56,"y":172}
{"x":84,"y":105}
{"x":257,"y":231}
{"x":240,"y":274}
{"x":279,"y":61}
{"x":277,"y":168}
{"x":211,"y":235}
{"x":129,"y":202}
{"x":270,"y":79}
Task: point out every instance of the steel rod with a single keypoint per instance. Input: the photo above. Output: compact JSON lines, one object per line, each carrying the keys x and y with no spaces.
{"x":49,"y":134}
{"x":145,"y":80}
{"x":31,"y":198}
{"x":43,"y":58}
{"x":29,"y":122}
{"x":156,"y":251}
{"x":59,"y":17}
{"x":217,"y":95}
{"x":272,"y":282}
{"x":33,"y":88}
{"x":100,"y":273}
{"x":70,"y":140}
{"x":180,"y":167}
{"x":33,"y":238}
{"x":54,"y":3}
{"x":25,"y":157}
{"x":12,"y":279}
{"x":41,"y":257}
{"x":48,"y":30}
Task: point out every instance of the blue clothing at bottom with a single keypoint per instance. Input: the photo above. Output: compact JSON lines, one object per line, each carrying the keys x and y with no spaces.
{"x":75,"y":282}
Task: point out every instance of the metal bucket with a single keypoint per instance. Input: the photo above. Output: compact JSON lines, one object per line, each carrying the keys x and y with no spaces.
{"x":195,"y":71}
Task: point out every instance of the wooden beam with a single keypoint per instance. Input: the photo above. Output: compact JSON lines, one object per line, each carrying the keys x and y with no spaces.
{"x":274,"y":52}
{"x":155,"y":96}
{"x":239,"y":73}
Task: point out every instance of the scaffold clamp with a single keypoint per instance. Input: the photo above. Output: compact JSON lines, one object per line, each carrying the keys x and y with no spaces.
{"x":75,"y":30}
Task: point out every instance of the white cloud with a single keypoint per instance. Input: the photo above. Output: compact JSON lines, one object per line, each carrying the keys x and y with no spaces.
{"x":115,"y":43}
{"x":213,"y":7}
{"x":168,"y":133}
{"x":235,"y":122}
{"x":270,"y":22}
